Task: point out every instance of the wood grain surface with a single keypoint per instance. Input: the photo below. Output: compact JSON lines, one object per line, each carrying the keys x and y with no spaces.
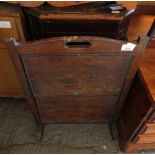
{"x":79,"y":79}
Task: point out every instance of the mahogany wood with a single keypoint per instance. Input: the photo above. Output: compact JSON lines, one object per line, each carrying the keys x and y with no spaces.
{"x":74,"y":79}
{"x":136,"y":124}
{"x":46,"y":21}
{"x":23,"y":80}
{"x":9,"y":82}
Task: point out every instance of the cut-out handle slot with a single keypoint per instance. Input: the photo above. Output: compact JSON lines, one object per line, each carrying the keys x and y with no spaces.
{"x":83,"y":44}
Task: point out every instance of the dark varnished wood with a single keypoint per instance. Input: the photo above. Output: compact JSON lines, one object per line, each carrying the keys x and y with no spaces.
{"x":23,"y":80}
{"x":47,"y":21}
{"x":78,"y":83}
{"x":83,"y":74}
{"x":131,"y":74}
{"x":138,"y":115}
{"x":61,"y":109}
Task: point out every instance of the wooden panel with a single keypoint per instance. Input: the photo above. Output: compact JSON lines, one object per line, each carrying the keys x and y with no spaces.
{"x":136,"y":107}
{"x":138,"y":147}
{"x":12,"y":92}
{"x":9,"y":83}
{"x":128,"y":4}
{"x":54,"y":3}
{"x":137,"y":130}
{"x":8,"y":32}
{"x":150,"y":128}
{"x":148,"y":70}
{"x":146,"y":138}
{"x":67,"y":3}
{"x":141,"y":97}
{"x":76,"y":74}
{"x":76,"y":109}
{"x":139,"y":25}
{"x":8,"y":78}
{"x":28,"y":4}
{"x":146,"y":3}
{"x":86,"y":71}
{"x":147,"y":64}
{"x":60,"y":45}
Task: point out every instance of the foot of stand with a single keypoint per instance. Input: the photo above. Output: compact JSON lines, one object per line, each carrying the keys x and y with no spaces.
{"x":113,"y":130}
{"x":39,"y":132}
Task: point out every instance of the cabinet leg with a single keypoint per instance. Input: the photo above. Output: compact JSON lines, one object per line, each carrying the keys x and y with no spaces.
{"x":39,"y":132}
{"x":113,"y":130}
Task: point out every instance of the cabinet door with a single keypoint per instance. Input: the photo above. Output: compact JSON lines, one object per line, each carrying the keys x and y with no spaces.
{"x":9,"y":82}
{"x":8,"y":28}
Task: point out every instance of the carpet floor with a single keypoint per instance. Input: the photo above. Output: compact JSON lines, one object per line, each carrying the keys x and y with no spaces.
{"x":18,"y":128}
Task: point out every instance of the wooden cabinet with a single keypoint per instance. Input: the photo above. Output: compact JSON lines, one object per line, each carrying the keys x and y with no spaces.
{"x":137,"y":121}
{"x":76,"y":79}
{"x":47,"y":21}
{"x":10,"y":26}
